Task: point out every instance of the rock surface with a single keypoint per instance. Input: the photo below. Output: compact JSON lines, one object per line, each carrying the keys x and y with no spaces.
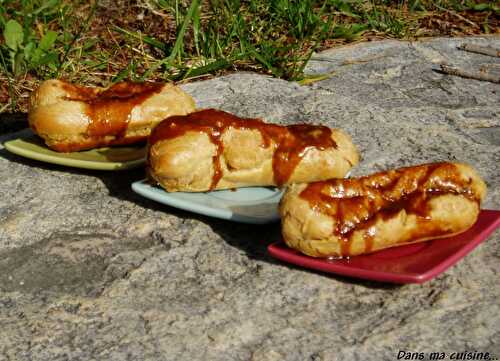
{"x":91,"y":271}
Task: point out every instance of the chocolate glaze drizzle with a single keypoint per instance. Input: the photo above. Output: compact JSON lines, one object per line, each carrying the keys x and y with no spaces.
{"x":356,"y":204}
{"x":109,"y":110}
{"x":291,"y":142}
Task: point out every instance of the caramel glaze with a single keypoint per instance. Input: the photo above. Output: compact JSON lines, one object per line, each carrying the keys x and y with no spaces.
{"x":109,"y":110}
{"x":356,"y":204}
{"x":291,"y":142}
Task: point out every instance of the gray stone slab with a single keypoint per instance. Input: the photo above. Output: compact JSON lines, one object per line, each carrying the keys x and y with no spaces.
{"x":91,"y":271}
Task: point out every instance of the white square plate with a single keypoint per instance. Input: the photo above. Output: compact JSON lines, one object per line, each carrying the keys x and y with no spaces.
{"x":256,"y":205}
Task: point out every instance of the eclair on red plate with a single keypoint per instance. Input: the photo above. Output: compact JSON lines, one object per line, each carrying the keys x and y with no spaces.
{"x":348,"y":217}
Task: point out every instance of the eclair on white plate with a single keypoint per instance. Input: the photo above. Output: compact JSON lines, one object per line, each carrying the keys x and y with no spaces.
{"x":211,"y":149}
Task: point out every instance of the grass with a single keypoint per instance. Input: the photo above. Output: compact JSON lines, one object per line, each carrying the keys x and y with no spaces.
{"x":98,"y":44}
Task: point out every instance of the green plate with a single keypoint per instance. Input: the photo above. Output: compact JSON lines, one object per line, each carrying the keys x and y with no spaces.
{"x":108,"y":158}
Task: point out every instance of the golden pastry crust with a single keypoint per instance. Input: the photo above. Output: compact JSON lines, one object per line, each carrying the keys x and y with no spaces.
{"x":212,"y":149}
{"x":348,"y":217}
{"x":72,"y":118}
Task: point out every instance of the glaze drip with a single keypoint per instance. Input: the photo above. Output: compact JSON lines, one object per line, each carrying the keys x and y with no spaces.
{"x":109,"y":110}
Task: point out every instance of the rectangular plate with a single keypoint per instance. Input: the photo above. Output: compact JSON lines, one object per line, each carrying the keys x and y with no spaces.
{"x":257,"y":205}
{"x":108,"y":158}
{"x":414,"y":263}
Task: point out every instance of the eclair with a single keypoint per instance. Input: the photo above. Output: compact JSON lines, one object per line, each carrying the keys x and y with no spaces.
{"x":212,"y":149}
{"x":349,"y":217}
{"x":73,"y":118}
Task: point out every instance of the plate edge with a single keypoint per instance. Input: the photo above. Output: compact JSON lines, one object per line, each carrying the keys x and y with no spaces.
{"x":74,"y":163}
{"x":137,"y":187}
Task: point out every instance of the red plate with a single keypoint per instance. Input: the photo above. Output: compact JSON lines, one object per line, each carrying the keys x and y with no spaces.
{"x":414,"y":263}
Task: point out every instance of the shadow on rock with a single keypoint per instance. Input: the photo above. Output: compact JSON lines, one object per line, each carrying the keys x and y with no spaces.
{"x":12,"y":122}
{"x":76,"y":262}
{"x":252,"y":239}
{"x":118,"y":183}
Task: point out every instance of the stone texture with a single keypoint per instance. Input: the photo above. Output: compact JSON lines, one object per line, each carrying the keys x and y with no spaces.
{"x":91,"y":271}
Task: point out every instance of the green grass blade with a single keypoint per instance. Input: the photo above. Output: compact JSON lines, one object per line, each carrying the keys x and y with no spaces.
{"x":179,"y":42}
{"x":300,"y":72}
{"x":11,"y":90}
{"x":147,"y":39}
{"x":197,"y":30}
{"x":313,"y":79}
{"x":122,"y":75}
{"x":205,"y":69}
{"x":82,"y":29}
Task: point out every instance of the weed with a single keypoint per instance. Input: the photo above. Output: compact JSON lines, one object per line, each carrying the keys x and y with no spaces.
{"x":180,"y":40}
